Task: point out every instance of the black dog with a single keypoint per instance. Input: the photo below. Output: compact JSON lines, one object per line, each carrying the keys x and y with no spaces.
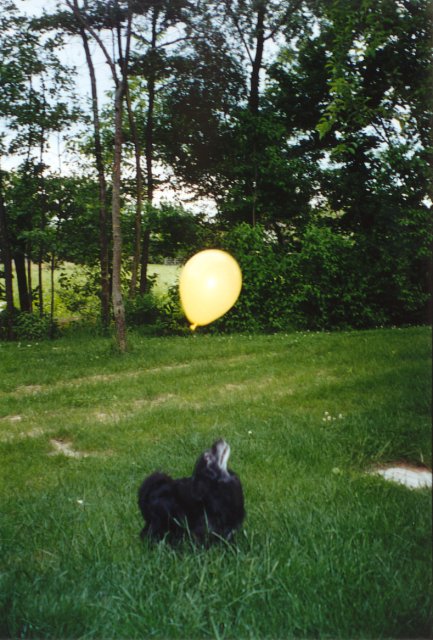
{"x":207,"y":506}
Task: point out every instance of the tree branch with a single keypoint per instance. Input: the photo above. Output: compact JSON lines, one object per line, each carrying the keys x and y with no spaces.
{"x":239,"y":30}
{"x":76,"y":11}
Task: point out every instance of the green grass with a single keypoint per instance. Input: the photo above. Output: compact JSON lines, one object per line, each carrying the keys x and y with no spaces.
{"x":327,"y":550}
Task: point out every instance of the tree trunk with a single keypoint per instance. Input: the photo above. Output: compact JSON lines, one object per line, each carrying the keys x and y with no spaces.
{"x":122,"y":59}
{"x":53,"y":266}
{"x":40,"y":287}
{"x":102,"y":195}
{"x":29,"y":278}
{"x":144,"y":261}
{"x":20,"y":269}
{"x":7,"y":261}
{"x":149,"y":155}
{"x":43,"y":204}
{"x":254,"y":102}
{"x":118,"y":306}
{"x":253,"y":98}
{"x":139,"y":195}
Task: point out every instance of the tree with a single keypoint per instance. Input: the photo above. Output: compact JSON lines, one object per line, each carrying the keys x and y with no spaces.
{"x":117,"y":17}
{"x":197,"y":108}
{"x":152,"y":62}
{"x":213,"y":127}
{"x":33,"y":104}
{"x":102,"y":193}
{"x":361,"y":82}
{"x":67,"y":22}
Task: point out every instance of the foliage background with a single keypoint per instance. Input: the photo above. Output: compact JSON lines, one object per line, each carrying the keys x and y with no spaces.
{"x":316,"y":152}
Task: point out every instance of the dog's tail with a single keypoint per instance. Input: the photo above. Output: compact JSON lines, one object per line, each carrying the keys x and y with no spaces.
{"x":152,"y":486}
{"x":154,"y":498}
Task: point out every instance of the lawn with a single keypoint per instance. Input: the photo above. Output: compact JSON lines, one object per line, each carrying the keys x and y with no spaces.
{"x":328,"y":550}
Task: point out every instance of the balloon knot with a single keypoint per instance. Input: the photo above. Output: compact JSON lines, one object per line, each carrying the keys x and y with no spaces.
{"x":193,"y":327}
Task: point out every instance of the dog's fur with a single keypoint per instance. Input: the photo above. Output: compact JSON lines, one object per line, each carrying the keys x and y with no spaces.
{"x":207,"y":506}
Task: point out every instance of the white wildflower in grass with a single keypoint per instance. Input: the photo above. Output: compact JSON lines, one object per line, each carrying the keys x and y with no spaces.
{"x":327,"y":417}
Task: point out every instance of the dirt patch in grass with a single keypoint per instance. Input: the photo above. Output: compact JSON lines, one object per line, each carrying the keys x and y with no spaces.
{"x":36,"y":432}
{"x":35,"y":389}
{"x":12,"y":419}
{"x":29,"y":389}
{"x":65,"y":448}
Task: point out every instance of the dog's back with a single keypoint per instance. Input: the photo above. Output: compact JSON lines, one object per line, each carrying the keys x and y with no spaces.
{"x":210,"y":503}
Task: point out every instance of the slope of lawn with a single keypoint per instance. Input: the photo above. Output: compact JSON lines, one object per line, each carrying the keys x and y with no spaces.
{"x":327,"y":550}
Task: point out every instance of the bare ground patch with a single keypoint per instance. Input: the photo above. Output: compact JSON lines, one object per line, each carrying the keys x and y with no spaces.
{"x":65,"y":448}
{"x":35,"y":389}
{"x":36,"y":432}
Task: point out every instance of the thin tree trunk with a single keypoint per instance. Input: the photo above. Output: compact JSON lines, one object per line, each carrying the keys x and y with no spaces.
{"x":7,"y":262}
{"x":254,"y":101}
{"x":122,"y":59}
{"x":149,"y":155}
{"x":253,"y":98}
{"x":144,"y":261}
{"x":118,"y":306}
{"x":40,"y":286}
{"x":53,"y":264}
{"x":139,"y":195}
{"x":43,"y":205}
{"x":20,"y":270}
{"x":29,"y":278}
{"x":102,"y":195}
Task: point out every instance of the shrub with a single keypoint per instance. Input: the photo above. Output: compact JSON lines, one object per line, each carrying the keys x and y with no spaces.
{"x":142,"y":309}
{"x":326,"y":282}
{"x":79,"y":292}
{"x":263,"y":304}
{"x":29,"y":326}
{"x":328,"y":285}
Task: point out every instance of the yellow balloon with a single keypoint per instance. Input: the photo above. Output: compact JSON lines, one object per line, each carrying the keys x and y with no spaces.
{"x":210,"y":283}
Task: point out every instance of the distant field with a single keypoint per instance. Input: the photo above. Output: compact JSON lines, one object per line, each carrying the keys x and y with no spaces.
{"x":166,"y":277}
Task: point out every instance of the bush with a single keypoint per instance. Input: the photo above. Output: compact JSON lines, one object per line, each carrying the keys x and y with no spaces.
{"x":328,"y":285}
{"x":264,"y":303}
{"x":79,"y":292}
{"x":29,"y":326}
{"x":142,"y":309}
{"x":157,"y":315}
{"x":328,"y":281}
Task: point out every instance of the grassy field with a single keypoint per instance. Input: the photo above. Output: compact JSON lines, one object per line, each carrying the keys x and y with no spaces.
{"x":328,"y":550}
